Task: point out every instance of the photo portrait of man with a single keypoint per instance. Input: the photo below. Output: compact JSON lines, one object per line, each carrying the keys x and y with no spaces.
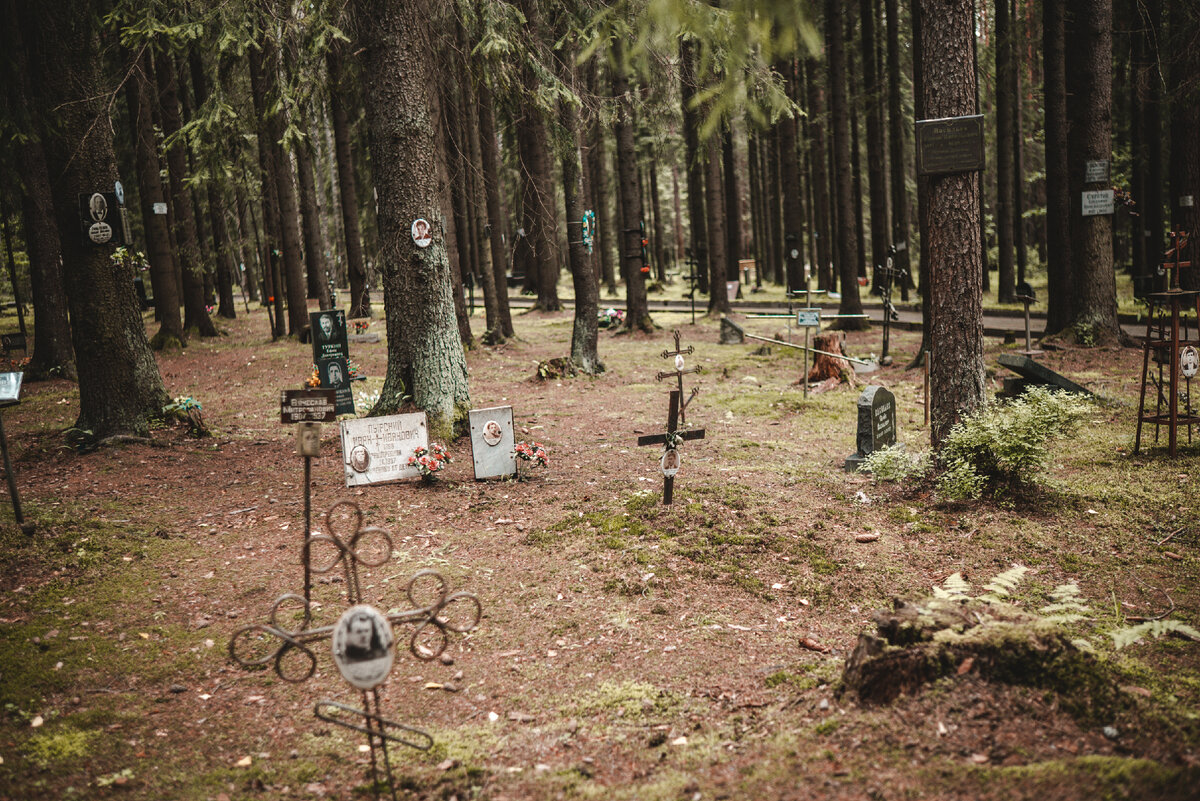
{"x":360,"y":459}
{"x":363,"y":642}
{"x":98,"y":207}
{"x":492,"y":433}
{"x":670,"y":462}
{"x":326,"y":324}
{"x":335,"y":375}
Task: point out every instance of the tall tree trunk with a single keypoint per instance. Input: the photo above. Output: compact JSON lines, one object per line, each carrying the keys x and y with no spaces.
{"x":733,"y":204}
{"x":847,"y":243}
{"x":1018,"y":150}
{"x":1185,"y":123}
{"x":877,"y":186}
{"x":660,"y":255}
{"x":793,"y":213}
{"x":195,"y":314}
{"x":317,"y":284}
{"x":605,"y":233}
{"x":216,"y":205}
{"x":1089,"y":107}
{"x":854,"y":101}
{"x":896,"y":150}
{"x":697,"y":219}
{"x":490,"y":155}
{"x":268,"y":154}
{"x":714,"y":203}
{"x":52,"y":351}
{"x":339,"y":88}
{"x":637,"y":314}
{"x":455,"y":202}
{"x":425,"y":352}
{"x":1005,"y":110}
{"x":820,"y":178}
{"x":248,"y":240}
{"x":956,"y":379}
{"x":585,"y":331}
{"x":140,"y":99}
{"x":1060,"y":290}
{"x":120,"y":388}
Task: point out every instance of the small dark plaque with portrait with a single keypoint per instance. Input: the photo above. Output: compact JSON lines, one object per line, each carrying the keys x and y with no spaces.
{"x":950,"y":144}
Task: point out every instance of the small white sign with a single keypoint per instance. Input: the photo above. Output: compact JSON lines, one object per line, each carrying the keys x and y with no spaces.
{"x":669,"y":463}
{"x":10,"y":387}
{"x":1187,"y":201}
{"x":492,"y":442}
{"x":100,"y":232}
{"x":422,"y":233}
{"x":1095,"y":171}
{"x":160,"y":208}
{"x":808,"y":318}
{"x":377,"y":449}
{"x":1099,"y":202}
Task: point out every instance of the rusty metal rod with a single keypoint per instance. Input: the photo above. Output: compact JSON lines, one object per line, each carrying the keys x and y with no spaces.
{"x":811,"y":350}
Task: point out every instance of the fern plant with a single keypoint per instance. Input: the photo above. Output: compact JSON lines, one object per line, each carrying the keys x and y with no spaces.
{"x":1129,"y":635}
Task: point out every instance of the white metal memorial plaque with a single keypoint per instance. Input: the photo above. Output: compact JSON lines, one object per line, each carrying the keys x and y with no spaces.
{"x":376,"y":449}
{"x":492,"y":442}
{"x":1099,"y":202}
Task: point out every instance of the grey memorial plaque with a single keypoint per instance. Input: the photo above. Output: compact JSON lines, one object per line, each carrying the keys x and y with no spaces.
{"x":1102,"y":201}
{"x":377,"y":449}
{"x":492,"y":442}
{"x":10,"y":388}
{"x":876,"y":423}
{"x":1095,"y":172}
{"x":950,"y":144}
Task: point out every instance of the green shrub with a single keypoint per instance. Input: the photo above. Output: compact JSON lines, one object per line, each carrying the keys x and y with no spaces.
{"x":1006,"y":445}
{"x":895,"y":463}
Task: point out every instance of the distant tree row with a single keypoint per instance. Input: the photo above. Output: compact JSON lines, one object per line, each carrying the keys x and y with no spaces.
{"x":292,"y":143}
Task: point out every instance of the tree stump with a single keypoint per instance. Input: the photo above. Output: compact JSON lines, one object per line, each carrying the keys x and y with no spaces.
{"x":826,"y":367}
{"x":916,"y":643}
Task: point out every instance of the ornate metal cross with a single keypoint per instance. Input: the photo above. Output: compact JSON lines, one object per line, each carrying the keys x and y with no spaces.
{"x":675,"y":415}
{"x":362,"y":638}
{"x":679,"y":372}
{"x":1179,"y":241}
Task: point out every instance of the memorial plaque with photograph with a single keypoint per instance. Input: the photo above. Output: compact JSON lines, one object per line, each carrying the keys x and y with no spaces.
{"x":10,"y":388}
{"x":377,"y":449}
{"x":492,"y":442}
{"x":329,"y":335}
{"x":335,"y":375}
{"x":362,"y":646}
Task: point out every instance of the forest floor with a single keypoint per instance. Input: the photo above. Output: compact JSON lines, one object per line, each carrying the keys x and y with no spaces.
{"x":627,"y":650}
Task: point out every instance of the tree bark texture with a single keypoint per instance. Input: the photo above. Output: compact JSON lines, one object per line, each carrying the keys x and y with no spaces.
{"x":267,"y":157}
{"x":793,"y":213}
{"x":585,"y":331}
{"x":195,"y":313}
{"x":694,"y":163}
{"x":1089,"y":138}
{"x":490,"y":156}
{"x":1060,"y":295}
{"x":1185,"y":133}
{"x":120,"y":388}
{"x":714,"y":203}
{"x":847,"y":241}
{"x":953,"y":245}
{"x":820,"y":178}
{"x":637,"y":313}
{"x":1005,"y":109}
{"x":339,"y":87}
{"x":896,"y":150}
{"x":876,"y":181}
{"x":52,"y":351}
{"x":425,"y":353}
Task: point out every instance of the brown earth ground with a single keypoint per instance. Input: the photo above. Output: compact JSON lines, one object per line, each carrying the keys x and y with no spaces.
{"x":627,"y":650}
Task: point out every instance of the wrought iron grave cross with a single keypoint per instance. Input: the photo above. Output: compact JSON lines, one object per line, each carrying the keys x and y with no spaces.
{"x":679,"y":372}
{"x":362,"y":638}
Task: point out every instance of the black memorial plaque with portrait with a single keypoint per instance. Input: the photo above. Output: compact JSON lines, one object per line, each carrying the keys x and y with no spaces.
{"x":101,"y":220}
{"x":335,"y":375}
{"x":329,"y":335}
{"x":951,"y":144}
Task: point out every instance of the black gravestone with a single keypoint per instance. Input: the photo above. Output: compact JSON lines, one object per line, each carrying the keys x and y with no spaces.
{"x":329,"y":335}
{"x":335,"y":375}
{"x":731,"y":333}
{"x":1034,"y":374}
{"x":876,"y":424}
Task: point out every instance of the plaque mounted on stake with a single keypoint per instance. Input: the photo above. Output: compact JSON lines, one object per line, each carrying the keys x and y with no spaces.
{"x":492,"y":442}
{"x":950,"y":144}
{"x":376,"y":449}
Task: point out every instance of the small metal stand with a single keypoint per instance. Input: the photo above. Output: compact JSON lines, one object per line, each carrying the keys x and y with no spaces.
{"x":889,"y":273}
{"x":435,"y":612}
{"x":1027,"y":296}
{"x":1167,"y":335}
{"x":10,"y":392}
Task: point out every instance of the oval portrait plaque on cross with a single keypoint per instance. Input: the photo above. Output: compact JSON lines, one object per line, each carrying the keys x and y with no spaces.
{"x":362,"y":646}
